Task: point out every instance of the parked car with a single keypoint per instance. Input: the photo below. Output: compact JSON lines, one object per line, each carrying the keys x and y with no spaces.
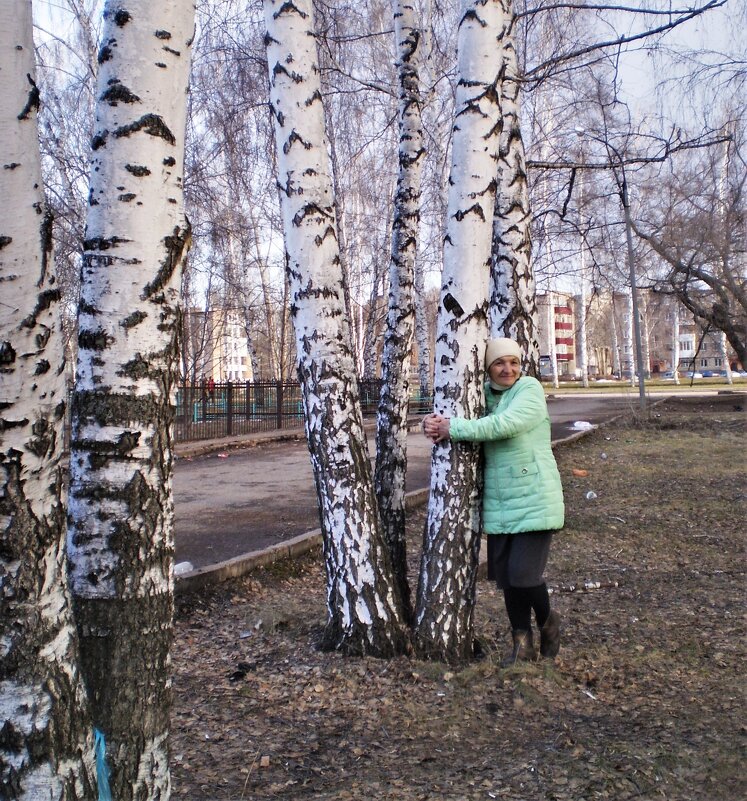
{"x":693,"y":374}
{"x":708,"y":373}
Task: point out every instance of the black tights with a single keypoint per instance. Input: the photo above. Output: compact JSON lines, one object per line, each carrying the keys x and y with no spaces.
{"x":519,"y":604}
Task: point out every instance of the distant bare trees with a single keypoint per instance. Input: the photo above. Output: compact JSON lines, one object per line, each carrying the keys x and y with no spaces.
{"x":697,"y":235}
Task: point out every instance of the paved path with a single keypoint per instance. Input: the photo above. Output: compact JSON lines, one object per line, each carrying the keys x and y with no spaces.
{"x":231,"y":501}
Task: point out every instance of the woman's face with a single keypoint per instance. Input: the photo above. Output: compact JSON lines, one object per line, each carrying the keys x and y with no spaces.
{"x":505,"y":371}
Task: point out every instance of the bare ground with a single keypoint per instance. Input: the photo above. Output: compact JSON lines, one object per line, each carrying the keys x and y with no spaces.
{"x":645,"y":700}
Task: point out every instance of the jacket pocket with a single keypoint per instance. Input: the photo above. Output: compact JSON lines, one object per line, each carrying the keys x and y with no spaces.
{"x":525,"y":471}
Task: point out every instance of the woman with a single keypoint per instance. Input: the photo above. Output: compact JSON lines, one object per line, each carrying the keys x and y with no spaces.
{"x":522,"y":498}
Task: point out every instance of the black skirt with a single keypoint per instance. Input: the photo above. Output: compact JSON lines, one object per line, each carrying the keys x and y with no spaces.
{"x":518,"y":560}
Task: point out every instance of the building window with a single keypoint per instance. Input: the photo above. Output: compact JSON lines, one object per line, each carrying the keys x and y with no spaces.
{"x":718,"y":362}
{"x":704,"y":362}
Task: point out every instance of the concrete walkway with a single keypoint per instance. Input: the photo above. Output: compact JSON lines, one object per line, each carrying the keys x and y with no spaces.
{"x":246,"y":501}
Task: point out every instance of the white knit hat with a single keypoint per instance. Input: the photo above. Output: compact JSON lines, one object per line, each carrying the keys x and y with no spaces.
{"x":501,"y":347}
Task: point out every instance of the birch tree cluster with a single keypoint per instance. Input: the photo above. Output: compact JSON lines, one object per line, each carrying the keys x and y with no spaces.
{"x":568,"y":82}
{"x":360,"y":186}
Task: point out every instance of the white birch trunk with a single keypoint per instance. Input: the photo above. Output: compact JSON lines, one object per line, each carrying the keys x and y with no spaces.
{"x":364,"y":609}
{"x":646,"y":337}
{"x":629,"y":328}
{"x":724,"y":344}
{"x":422,"y":338}
{"x":583,"y":334}
{"x":513,"y":301}
{"x":120,"y":538}
{"x":46,"y":745}
{"x":391,"y":424}
{"x":676,"y":341}
{"x":616,"y":357}
{"x":369,"y":370}
{"x":451,"y":543}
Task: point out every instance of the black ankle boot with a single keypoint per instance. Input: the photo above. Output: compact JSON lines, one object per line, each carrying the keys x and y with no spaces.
{"x":523,"y":649}
{"x":550,"y":636}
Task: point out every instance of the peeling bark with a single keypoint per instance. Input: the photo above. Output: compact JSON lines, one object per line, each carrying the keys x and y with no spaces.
{"x":46,"y":742}
{"x":120,"y":531}
{"x":451,"y":542}
{"x":363,"y":604}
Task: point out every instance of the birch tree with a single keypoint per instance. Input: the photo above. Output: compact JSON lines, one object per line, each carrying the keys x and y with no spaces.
{"x":46,"y":746}
{"x":120,"y":536}
{"x":513,"y":304}
{"x":391,"y":424}
{"x":451,"y":542}
{"x":363,"y":602}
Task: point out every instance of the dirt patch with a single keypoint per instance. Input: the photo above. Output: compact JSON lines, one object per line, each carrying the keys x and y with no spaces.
{"x":644,"y":701}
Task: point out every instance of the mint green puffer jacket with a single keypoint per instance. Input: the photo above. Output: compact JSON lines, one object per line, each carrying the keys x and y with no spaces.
{"x":522,"y":484}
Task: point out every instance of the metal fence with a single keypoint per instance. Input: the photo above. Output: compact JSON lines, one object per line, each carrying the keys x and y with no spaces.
{"x":210,"y":411}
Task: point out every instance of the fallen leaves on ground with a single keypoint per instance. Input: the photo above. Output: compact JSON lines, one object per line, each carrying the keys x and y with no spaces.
{"x":644,"y":701}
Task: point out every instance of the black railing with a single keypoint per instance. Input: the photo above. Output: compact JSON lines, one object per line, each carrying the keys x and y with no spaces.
{"x":211,"y":411}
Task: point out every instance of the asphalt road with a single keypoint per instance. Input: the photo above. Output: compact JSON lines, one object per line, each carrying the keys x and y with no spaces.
{"x":244,"y":499}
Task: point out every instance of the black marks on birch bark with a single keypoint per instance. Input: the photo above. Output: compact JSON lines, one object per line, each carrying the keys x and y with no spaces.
{"x":279,"y":69}
{"x":127,"y":197}
{"x":169,"y":161}
{"x":292,"y":139}
{"x":311,"y":209}
{"x":105,"y":52}
{"x":138,"y":170}
{"x":43,"y":302}
{"x":108,"y":408}
{"x":328,"y":231}
{"x":45,"y":235}
{"x":119,"y":93}
{"x":451,"y":304}
{"x":84,"y":307}
{"x":7,"y":353}
{"x":32,"y":101}
{"x":134,"y":319}
{"x":97,"y":340}
{"x":43,"y":439}
{"x":165,"y":35}
{"x":122,"y":17}
{"x":473,"y":16}
{"x":42,"y":337}
{"x":99,"y":140}
{"x":5,"y":241}
{"x":99,"y":455}
{"x":152,"y":124}
{"x":475,"y":208}
{"x":289,"y":8}
{"x":176,"y":245}
{"x":136,"y":369}
{"x":100,"y":243}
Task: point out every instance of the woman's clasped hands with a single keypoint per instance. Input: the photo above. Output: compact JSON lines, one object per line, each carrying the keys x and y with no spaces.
{"x":436,"y":427}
